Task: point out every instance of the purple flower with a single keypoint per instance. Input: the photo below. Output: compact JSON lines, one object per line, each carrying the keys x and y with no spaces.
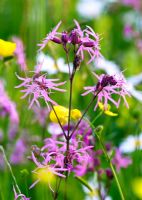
{"x":119,"y":161}
{"x":38,"y":87}
{"x":53,"y":36}
{"x":18,"y":155}
{"x":134,"y":3}
{"x":107,"y":86}
{"x":83,"y":40}
{"x":19,"y":53}
{"x":7,"y":107}
{"x":45,"y":164}
{"x":21,"y":196}
{"x":41,"y":114}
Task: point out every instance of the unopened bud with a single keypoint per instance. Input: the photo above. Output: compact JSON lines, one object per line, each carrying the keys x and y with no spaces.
{"x":99,"y":129}
{"x":57,"y":40}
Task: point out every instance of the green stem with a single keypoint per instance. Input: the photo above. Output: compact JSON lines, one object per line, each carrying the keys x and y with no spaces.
{"x":110,"y":163}
{"x":112,"y":167}
{"x":10,"y":169}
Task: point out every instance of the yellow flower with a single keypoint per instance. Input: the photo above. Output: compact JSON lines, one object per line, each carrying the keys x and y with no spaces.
{"x":45,"y":175}
{"x":63,"y":114}
{"x":137,"y":187}
{"x":7,"y":48}
{"x":75,"y":114}
{"x":107,"y":109}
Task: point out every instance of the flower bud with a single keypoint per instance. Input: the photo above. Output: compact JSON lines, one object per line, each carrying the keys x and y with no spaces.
{"x":57,"y":40}
{"x":64,"y":37}
{"x":74,"y":38}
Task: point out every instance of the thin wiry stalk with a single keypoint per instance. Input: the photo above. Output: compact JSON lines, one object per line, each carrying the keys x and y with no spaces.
{"x":10,"y":169}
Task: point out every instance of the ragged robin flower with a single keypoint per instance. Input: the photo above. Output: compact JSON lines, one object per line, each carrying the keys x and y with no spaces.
{"x":106,"y":87}
{"x":85,"y":40}
{"x":38,"y":86}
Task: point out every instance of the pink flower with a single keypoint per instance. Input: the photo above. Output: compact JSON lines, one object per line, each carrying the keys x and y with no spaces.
{"x":107,"y":86}
{"x":83,"y":40}
{"x":53,"y":35}
{"x":19,"y":53}
{"x":45,"y":164}
{"x":119,"y":161}
{"x":90,"y":43}
{"x":134,"y":3}
{"x":18,"y":154}
{"x":38,"y":87}
{"x":7,"y":107}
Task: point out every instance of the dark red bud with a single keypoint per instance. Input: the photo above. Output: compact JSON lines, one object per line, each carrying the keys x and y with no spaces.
{"x":57,"y":40}
{"x":64,"y":37}
{"x":88,"y":44}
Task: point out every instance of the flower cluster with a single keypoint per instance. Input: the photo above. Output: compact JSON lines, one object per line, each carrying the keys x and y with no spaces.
{"x":107,"y":86}
{"x":38,"y":87}
{"x":84,"y":40}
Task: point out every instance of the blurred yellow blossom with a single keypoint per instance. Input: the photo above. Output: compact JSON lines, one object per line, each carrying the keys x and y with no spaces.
{"x":63,"y":114}
{"x":107,"y":109}
{"x":75,"y":114}
{"x":7,"y":48}
{"x":45,"y":175}
{"x":137,"y":187}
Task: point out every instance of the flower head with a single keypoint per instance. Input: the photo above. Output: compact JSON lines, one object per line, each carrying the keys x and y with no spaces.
{"x":119,"y":161}
{"x":8,"y":107}
{"x":51,"y":36}
{"x":106,"y":109}
{"x":38,"y":87}
{"x":19,"y":53}
{"x":84,"y":40}
{"x":7,"y":48}
{"x":63,"y":114}
{"x":136,"y":187}
{"x":131,"y":143}
{"x":107,"y":86}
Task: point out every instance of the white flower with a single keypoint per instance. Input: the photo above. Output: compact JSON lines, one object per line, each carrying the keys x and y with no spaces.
{"x":92,"y":8}
{"x":131,"y":143}
{"x":94,"y":184}
{"x":48,"y":64}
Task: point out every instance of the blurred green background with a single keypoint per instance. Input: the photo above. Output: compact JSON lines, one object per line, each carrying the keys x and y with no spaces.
{"x":31,"y":20}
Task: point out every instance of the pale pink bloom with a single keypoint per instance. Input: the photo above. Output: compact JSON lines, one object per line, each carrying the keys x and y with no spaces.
{"x":38,"y":87}
{"x":18,"y":154}
{"x":53,"y":35}
{"x":106,"y":87}
{"x":134,"y":3}
{"x":19,"y":53}
{"x":8,"y":107}
{"x":45,"y":164}
{"x":120,"y":161}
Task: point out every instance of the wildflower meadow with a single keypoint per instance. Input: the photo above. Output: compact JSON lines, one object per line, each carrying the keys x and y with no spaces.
{"x":70,"y":100}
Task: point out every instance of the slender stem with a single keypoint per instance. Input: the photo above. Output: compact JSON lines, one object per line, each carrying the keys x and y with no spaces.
{"x":10,"y":169}
{"x":58,"y":119}
{"x":70,"y":105}
{"x":110,"y":163}
{"x":86,"y":110}
{"x":112,"y":168}
{"x":67,"y":57}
